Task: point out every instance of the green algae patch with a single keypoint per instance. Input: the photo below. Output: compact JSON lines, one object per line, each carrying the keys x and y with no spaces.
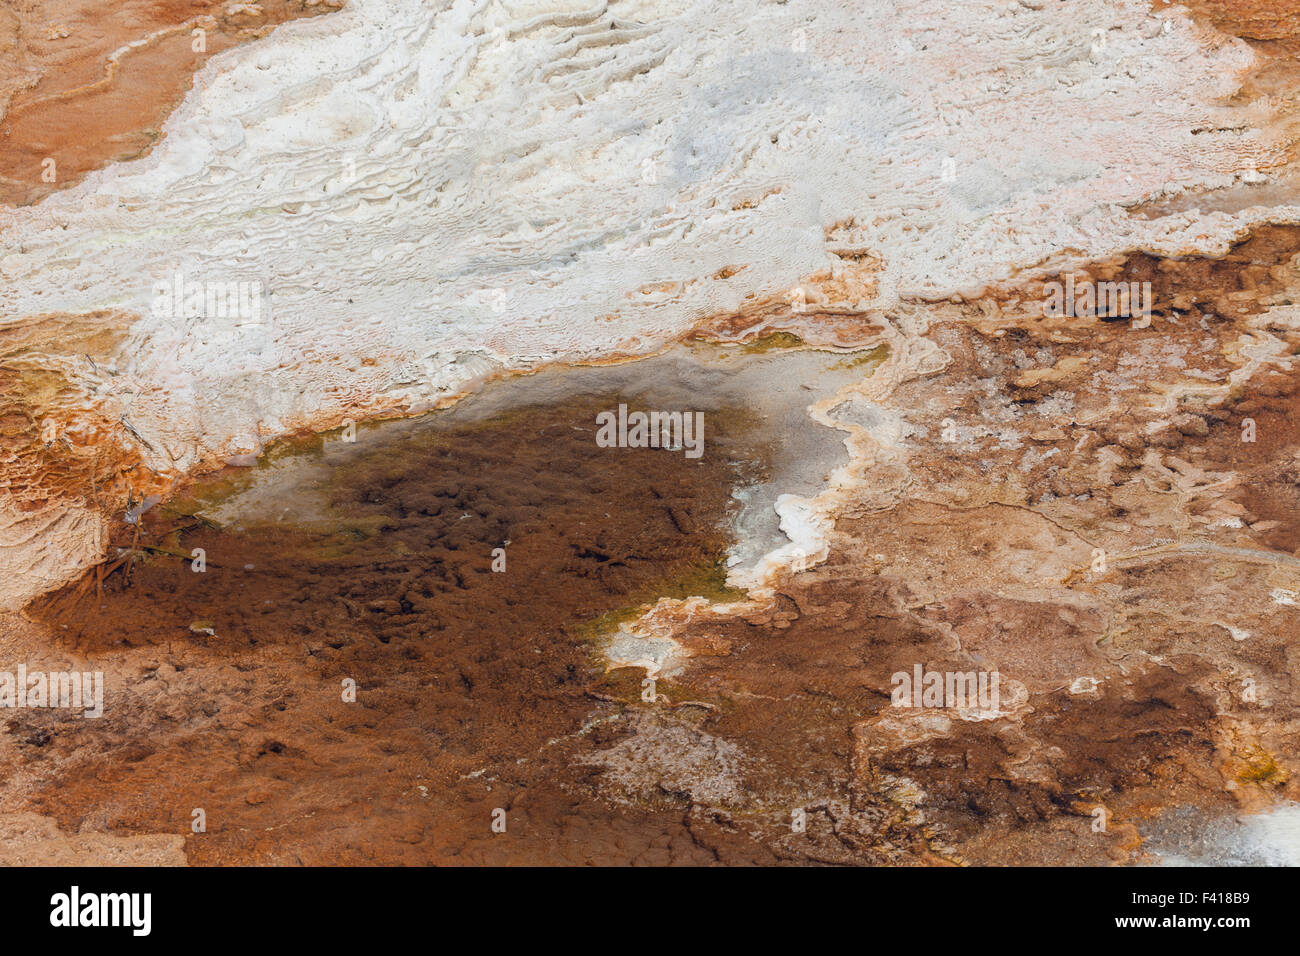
{"x":1261,"y":767}
{"x":866,"y":359}
{"x":773,"y":342}
{"x":705,"y":579}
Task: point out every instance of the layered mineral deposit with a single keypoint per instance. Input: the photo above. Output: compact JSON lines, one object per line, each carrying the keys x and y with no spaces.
{"x":992,"y":312}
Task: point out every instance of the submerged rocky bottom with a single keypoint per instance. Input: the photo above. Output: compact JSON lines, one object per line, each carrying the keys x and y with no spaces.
{"x":450,"y":574}
{"x":369,"y":646}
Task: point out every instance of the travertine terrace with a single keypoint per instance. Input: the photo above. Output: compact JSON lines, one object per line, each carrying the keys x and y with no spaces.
{"x":422,"y":201}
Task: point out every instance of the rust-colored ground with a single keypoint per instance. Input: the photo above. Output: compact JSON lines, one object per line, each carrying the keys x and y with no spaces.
{"x":470,"y":683}
{"x":67,"y":94}
{"x":1037,"y":443}
{"x":1067,"y":439}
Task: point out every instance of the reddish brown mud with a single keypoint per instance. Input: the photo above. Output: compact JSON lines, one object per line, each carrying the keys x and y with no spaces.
{"x":464,"y":675}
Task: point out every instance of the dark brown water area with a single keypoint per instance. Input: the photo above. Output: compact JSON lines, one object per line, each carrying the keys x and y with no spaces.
{"x":453,"y":569}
